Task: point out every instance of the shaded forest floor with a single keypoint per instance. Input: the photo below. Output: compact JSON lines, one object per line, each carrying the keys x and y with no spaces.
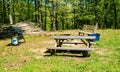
{"x":29,"y":56}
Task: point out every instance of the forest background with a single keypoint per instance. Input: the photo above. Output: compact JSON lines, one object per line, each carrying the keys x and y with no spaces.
{"x":61,"y":14}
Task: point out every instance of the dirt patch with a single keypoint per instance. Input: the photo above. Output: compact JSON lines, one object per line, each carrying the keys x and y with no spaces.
{"x":30,"y":28}
{"x":38,"y":50}
{"x":39,"y":53}
{"x":102,"y":51}
{"x":22,"y":60}
{"x":75,"y":45}
{"x":12,"y":65}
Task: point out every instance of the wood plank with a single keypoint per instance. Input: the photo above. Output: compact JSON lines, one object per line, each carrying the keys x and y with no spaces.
{"x":93,"y":43}
{"x":89,"y":28}
{"x":74,"y":37}
{"x":74,"y":49}
{"x":64,"y":34}
{"x":73,"y":43}
{"x":85,"y":32}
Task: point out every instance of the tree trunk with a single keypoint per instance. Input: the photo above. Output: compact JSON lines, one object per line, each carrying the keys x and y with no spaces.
{"x":56,"y":22}
{"x":9,"y":13}
{"x":74,"y":19}
{"x":96,"y":15}
{"x":28,"y":9}
{"x":13,"y":9}
{"x":105,"y":18}
{"x":36,"y":2}
{"x":115,"y":14}
{"x":39,"y":14}
{"x":1,"y":19}
{"x":54,"y":14}
{"x":11,"y":20}
{"x":4,"y":12}
{"x":62,"y":21}
{"x":45,"y":15}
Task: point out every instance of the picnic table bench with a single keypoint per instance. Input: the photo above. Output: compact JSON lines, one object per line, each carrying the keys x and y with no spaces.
{"x":90,"y":30}
{"x":87,"y":30}
{"x":86,"y":40}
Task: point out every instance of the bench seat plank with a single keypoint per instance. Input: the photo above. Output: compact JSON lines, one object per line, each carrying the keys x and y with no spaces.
{"x":85,"y":32}
{"x":73,"y":43}
{"x":74,"y":49}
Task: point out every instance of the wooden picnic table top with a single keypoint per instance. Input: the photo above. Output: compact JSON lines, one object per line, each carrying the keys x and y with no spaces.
{"x":74,"y":37}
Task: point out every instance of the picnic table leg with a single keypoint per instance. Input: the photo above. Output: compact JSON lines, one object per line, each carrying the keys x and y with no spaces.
{"x":52,"y":52}
{"x":85,"y":53}
{"x":59,"y":43}
{"x":84,"y":42}
{"x":88,"y":44}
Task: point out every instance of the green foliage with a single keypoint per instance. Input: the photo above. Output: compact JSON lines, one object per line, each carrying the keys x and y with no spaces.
{"x":70,"y":14}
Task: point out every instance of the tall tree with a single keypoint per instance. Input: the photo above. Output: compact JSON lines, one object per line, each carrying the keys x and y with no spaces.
{"x":1,"y":11}
{"x":45,"y":14}
{"x":105,"y":10}
{"x":13,"y":10}
{"x":54,"y":14}
{"x":4,"y":11}
{"x":96,"y":14}
{"x":9,"y":12}
{"x":28,"y":9}
{"x":36,"y":8}
{"x":39,"y":13}
{"x":115,"y":14}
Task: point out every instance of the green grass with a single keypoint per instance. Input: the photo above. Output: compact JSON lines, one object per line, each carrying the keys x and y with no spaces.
{"x":28,"y":58}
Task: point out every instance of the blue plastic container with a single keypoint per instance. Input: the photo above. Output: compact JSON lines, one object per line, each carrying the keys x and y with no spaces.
{"x":97,"y":35}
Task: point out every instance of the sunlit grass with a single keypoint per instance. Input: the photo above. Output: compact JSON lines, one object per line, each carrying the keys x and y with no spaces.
{"x":28,"y":56}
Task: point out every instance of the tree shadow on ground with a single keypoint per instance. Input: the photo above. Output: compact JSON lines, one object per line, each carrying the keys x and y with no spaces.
{"x":10,"y":44}
{"x":13,"y":33}
{"x":4,"y":35}
{"x":9,"y":31}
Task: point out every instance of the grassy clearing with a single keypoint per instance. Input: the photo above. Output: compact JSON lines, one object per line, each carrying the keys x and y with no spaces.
{"x":28,"y":57}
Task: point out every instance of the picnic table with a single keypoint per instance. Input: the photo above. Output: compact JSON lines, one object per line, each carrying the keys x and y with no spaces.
{"x":60,"y":40}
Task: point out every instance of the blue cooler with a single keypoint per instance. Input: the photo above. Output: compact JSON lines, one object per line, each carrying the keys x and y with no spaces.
{"x":97,"y":35}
